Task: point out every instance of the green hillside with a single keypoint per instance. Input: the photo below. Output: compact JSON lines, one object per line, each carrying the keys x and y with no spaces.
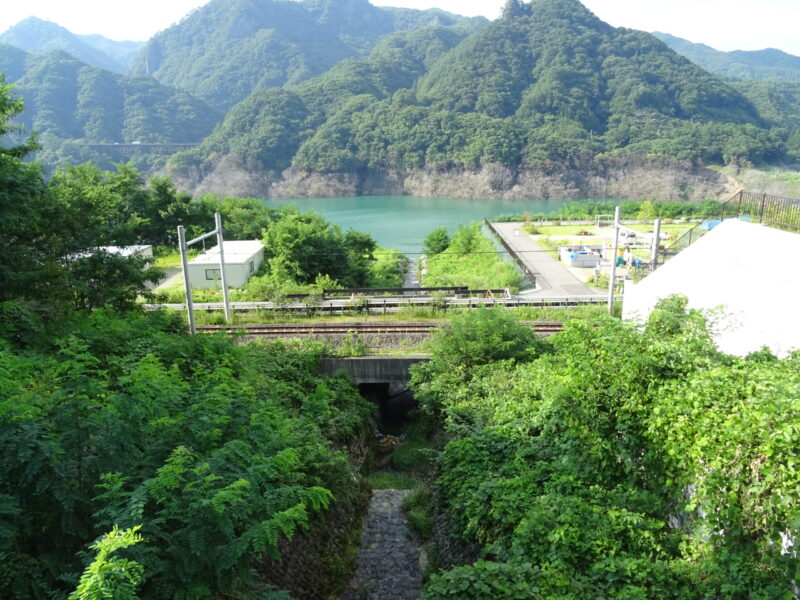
{"x":547,"y":84}
{"x":743,"y":64}
{"x":267,"y":128}
{"x":226,"y":49}
{"x":42,"y":37}
{"x":69,"y":104}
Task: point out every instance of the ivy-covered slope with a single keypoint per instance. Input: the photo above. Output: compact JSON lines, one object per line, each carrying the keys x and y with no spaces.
{"x":69,"y":103}
{"x":226,"y":49}
{"x":549,"y":83}
{"x":769,"y":63}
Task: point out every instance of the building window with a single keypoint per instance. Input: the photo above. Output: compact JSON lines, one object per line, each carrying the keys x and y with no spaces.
{"x":213,"y":275}
{"x":252,"y":266}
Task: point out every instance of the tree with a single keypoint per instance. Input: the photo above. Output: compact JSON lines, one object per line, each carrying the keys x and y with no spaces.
{"x":27,"y":261}
{"x":48,"y":232}
{"x":514,"y":9}
{"x":308,"y":246}
{"x":437,"y":241}
{"x":647,"y":212}
{"x":484,"y":336}
{"x":101,"y":278}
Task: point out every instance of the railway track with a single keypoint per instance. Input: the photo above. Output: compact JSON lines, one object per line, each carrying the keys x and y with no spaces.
{"x":333,"y":329}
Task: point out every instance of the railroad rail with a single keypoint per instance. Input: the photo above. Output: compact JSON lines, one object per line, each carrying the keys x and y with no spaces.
{"x":543,"y":328}
{"x":387,"y":304}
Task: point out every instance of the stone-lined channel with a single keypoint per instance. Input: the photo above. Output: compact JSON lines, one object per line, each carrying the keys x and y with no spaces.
{"x":389,"y":558}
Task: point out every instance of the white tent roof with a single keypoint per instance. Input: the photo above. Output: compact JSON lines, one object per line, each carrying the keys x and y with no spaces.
{"x":751,"y":270}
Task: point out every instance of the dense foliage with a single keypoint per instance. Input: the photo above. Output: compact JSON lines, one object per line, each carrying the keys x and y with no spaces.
{"x":218,"y":451}
{"x":470,"y":259}
{"x":619,"y":463}
{"x":184,"y":461}
{"x":227,"y":49}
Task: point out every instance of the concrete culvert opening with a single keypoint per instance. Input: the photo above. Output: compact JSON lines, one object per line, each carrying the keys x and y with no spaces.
{"x":394,"y":401}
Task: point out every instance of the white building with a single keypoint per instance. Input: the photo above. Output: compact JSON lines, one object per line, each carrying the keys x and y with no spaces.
{"x":141,"y":251}
{"x":751,"y":270}
{"x":242,"y":259}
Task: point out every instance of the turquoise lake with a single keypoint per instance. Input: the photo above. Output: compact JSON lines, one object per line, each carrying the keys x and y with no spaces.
{"x":402,"y":222}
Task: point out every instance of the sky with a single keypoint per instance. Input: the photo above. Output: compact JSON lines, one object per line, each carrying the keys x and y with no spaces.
{"x":721,"y":24}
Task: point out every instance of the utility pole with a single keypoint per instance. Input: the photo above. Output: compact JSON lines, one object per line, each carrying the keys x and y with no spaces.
{"x":656,"y":243}
{"x":221,"y":242}
{"x":186,"y":285}
{"x":612,"y":279}
{"x":185,"y":264}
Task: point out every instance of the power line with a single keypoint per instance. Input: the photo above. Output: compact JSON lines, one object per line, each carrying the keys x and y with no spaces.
{"x":440,"y":253}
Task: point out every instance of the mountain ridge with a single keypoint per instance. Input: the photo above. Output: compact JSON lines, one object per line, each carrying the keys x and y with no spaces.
{"x":548,"y":88}
{"x":226,"y":49}
{"x":769,"y":63}
{"x":69,"y":104}
{"x":39,"y":36}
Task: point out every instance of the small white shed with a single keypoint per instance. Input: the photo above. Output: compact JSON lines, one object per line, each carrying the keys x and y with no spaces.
{"x":142,"y":251}
{"x":242,"y":259}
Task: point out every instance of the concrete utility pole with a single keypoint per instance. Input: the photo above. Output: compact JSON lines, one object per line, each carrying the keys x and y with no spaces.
{"x":656,"y":243}
{"x":186,"y":285}
{"x":612,"y":279}
{"x":221,"y":242}
{"x":183,"y":244}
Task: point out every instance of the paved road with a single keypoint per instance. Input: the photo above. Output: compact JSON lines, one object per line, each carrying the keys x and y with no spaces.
{"x":553,"y":278}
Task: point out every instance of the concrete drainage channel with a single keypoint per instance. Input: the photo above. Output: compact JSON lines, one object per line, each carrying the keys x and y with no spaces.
{"x":390,"y":559}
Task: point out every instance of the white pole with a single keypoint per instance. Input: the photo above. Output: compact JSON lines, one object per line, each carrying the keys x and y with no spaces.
{"x":221,"y":242}
{"x":611,"y":280}
{"x":656,"y":242}
{"x":186,"y":284}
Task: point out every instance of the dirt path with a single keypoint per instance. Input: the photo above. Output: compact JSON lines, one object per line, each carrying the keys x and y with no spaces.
{"x":389,"y":558}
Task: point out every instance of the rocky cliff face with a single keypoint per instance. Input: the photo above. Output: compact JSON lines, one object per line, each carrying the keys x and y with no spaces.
{"x":629,"y":178}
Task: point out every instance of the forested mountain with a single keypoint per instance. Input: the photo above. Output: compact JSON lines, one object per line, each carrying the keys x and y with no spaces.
{"x":226,"y":49}
{"x":744,"y":64}
{"x":548,"y":86}
{"x":42,"y":37}
{"x":69,"y":103}
{"x":266,"y":129}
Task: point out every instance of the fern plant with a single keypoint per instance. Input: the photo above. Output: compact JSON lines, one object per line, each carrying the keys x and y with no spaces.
{"x":111,"y":577}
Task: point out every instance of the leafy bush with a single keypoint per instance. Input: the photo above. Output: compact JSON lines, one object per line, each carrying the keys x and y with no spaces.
{"x":219,"y":451}
{"x":437,"y":241}
{"x":622,"y":464}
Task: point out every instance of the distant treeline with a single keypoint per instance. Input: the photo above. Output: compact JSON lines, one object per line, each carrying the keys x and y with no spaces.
{"x":629,"y":209}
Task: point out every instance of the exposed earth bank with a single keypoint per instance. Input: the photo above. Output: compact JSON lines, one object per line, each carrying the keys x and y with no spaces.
{"x":635,"y":178}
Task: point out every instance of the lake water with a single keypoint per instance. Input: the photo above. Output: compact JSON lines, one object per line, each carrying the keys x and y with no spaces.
{"x":402,"y":222}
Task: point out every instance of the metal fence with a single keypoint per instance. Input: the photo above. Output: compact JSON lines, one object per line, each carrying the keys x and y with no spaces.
{"x":779,"y":212}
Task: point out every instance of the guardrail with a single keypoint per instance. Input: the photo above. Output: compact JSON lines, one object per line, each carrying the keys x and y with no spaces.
{"x":529,"y":273}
